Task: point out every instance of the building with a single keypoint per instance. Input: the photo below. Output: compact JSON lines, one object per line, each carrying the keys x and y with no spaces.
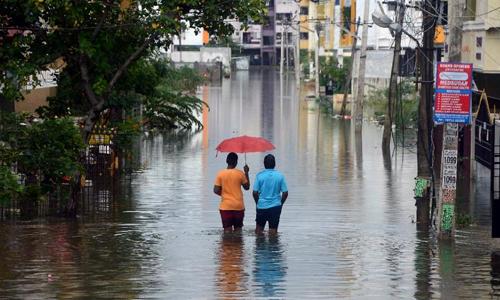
{"x":481,"y":43}
{"x":262,"y":42}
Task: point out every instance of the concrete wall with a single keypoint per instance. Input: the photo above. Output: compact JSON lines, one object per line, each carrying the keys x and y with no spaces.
{"x":35,"y":98}
{"x":378,"y":69}
{"x":216,"y":54}
{"x":185,"y":56}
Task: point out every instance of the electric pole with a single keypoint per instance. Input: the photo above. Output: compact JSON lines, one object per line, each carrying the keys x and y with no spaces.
{"x":391,"y":99}
{"x":282,"y":53}
{"x":449,"y":136}
{"x":360,"y":94}
{"x":425,"y":122}
{"x":317,"y":27}
{"x":351,"y":68}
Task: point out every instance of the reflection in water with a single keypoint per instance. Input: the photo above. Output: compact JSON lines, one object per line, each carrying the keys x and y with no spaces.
{"x":231,"y":279}
{"x":423,"y":256}
{"x":346,"y":231}
{"x":495,"y":274}
{"x":269,"y":266}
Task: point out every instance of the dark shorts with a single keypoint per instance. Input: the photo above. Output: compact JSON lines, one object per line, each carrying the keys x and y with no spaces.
{"x":271,"y":215}
{"x":232,"y":218}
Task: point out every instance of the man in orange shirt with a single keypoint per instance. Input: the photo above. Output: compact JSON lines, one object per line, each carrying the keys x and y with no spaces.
{"x":228,"y":185}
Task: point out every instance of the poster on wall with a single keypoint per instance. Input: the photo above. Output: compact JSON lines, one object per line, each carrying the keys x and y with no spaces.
{"x":452,"y":102}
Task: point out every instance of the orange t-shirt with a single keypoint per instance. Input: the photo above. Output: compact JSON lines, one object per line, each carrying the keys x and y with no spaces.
{"x":231,"y":197}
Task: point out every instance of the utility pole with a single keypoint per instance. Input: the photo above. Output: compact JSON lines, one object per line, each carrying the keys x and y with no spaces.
{"x":391,"y":99}
{"x":425,"y":122}
{"x":286,"y":48}
{"x":317,"y":27}
{"x":360,"y":94}
{"x":450,"y":130}
{"x":297,"y":57}
{"x":351,"y":68}
{"x":281,"y":48}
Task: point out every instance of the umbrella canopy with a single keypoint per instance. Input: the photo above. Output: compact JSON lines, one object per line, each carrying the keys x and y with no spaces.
{"x":244,"y":144}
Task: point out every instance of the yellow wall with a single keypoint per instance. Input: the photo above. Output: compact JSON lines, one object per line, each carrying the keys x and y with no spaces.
{"x":35,"y":98}
{"x":346,"y":39}
{"x":322,"y":11}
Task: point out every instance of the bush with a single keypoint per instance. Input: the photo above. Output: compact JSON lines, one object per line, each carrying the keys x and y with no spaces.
{"x":52,"y":151}
{"x":9,"y":186}
{"x":406,"y":105}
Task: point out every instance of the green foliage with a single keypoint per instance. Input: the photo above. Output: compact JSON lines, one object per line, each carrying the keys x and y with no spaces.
{"x":325,"y":104}
{"x":304,"y":61}
{"x":406,"y":107}
{"x":126,"y":131}
{"x":173,"y":104}
{"x":12,"y":130}
{"x":9,"y":187}
{"x":52,"y":150}
{"x":330,"y":70}
{"x":463,"y":221}
{"x":99,"y":43}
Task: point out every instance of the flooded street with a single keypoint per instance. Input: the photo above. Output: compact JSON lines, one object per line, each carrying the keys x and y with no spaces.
{"x":346,"y":230}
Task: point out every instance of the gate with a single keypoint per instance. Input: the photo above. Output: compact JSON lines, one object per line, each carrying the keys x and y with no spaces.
{"x":100,"y":164}
{"x":487,"y":153}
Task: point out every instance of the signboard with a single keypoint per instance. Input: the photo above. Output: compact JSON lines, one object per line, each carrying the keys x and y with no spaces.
{"x":453,"y":93}
{"x":448,"y":188}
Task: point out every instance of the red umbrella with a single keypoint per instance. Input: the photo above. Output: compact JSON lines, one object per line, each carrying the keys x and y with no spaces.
{"x":244,"y":144}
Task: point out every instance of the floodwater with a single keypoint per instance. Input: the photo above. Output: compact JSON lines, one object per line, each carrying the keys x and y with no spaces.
{"x":346,"y":231}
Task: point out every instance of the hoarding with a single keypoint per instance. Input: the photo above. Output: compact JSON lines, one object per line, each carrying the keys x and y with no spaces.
{"x":452,"y":102}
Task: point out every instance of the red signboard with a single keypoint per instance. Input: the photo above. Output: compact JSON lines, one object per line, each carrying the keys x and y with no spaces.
{"x":453,"y":94}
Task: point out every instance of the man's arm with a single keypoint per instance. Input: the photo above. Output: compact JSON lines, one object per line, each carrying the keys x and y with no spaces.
{"x":255,"y":195}
{"x":284,"y":195}
{"x":218,"y":189}
{"x":246,"y":185}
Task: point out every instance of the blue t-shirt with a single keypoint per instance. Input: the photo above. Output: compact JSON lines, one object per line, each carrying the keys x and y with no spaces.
{"x":270,"y":184}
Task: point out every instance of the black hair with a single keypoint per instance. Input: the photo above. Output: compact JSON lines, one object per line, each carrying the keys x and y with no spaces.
{"x":269,"y":161}
{"x":232,"y":159}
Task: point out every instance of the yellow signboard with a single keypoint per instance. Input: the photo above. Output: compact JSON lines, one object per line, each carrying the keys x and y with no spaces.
{"x":439,"y":36}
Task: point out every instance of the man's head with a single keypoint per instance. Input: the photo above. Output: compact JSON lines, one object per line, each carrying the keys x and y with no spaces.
{"x":232,"y":159}
{"x":269,"y":161}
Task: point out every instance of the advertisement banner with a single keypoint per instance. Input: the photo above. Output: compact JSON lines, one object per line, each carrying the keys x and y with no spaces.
{"x":452,"y":102}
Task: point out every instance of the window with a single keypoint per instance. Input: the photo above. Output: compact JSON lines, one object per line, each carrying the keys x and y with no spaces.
{"x":247,"y":37}
{"x":304,"y":35}
{"x":470,"y":10}
{"x":479,"y":42}
{"x":284,"y":17}
{"x":478,"y":55}
{"x":268,"y":41}
{"x":304,"y":10}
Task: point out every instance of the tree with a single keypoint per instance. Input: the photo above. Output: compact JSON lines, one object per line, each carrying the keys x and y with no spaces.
{"x":100,"y":42}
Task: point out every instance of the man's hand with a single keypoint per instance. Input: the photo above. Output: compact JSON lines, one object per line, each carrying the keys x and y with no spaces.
{"x":246,"y":168}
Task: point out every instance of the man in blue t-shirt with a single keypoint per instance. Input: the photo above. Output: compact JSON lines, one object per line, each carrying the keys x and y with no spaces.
{"x":270,"y":193}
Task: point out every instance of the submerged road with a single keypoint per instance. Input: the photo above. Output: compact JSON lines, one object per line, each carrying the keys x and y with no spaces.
{"x":346,"y":230}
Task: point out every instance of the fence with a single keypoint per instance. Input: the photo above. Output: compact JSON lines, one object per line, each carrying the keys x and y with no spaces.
{"x":93,"y":195}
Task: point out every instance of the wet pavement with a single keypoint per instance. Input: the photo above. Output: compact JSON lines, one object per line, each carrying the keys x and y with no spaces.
{"x":346,"y":230}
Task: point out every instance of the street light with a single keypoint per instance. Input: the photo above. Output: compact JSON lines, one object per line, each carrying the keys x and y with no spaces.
{"x":382,"y":20}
